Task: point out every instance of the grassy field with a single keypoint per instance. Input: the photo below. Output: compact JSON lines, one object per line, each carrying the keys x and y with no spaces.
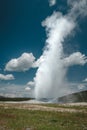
{"x":76,"y":107}
{"x":12,"y":118}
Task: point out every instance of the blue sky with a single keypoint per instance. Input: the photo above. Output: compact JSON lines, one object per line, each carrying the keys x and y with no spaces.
{"x":21,"y":32}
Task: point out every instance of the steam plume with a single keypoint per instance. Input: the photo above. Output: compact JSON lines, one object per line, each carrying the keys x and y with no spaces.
{"x":50,"y":80}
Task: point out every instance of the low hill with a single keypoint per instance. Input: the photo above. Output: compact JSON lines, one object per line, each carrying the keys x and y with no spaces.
{"x":18,"y":99}
{"x":75,"y":97}
{"x":71,"y":98}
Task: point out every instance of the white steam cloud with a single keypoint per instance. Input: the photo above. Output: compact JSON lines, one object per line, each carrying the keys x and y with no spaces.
{"x":78,"y":8}
{"x":50,"y":80}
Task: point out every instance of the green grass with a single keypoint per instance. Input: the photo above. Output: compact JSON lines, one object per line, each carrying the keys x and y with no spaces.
{"x":20,"y":119}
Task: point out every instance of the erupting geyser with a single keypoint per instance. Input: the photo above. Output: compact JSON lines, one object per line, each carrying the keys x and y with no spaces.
{"x":50,"y":80}
{"x":50,"y":77}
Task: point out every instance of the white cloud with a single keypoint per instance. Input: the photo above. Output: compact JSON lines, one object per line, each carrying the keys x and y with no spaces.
{"x":31,"y":84}
{"x":27,"y":89}
{"x":75,"y":59}
{"x":52,"y":2}
{"x":23,"y":63}
{"x":85,"y":80}
{"x":15,"y":90}
{"x":6,"y":77}
{"x":81,"y":86}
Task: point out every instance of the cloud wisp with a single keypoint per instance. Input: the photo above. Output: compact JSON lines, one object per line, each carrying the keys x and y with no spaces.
{"x":51,"y":80}
{"x":6,"y":77}
{"x":27,"y":88}
{"x":31,"y":84}
{"x":15,"y":90}
{"x":21,"y":64}
{"x":85,"y":80}
{"x":52,"y":2}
